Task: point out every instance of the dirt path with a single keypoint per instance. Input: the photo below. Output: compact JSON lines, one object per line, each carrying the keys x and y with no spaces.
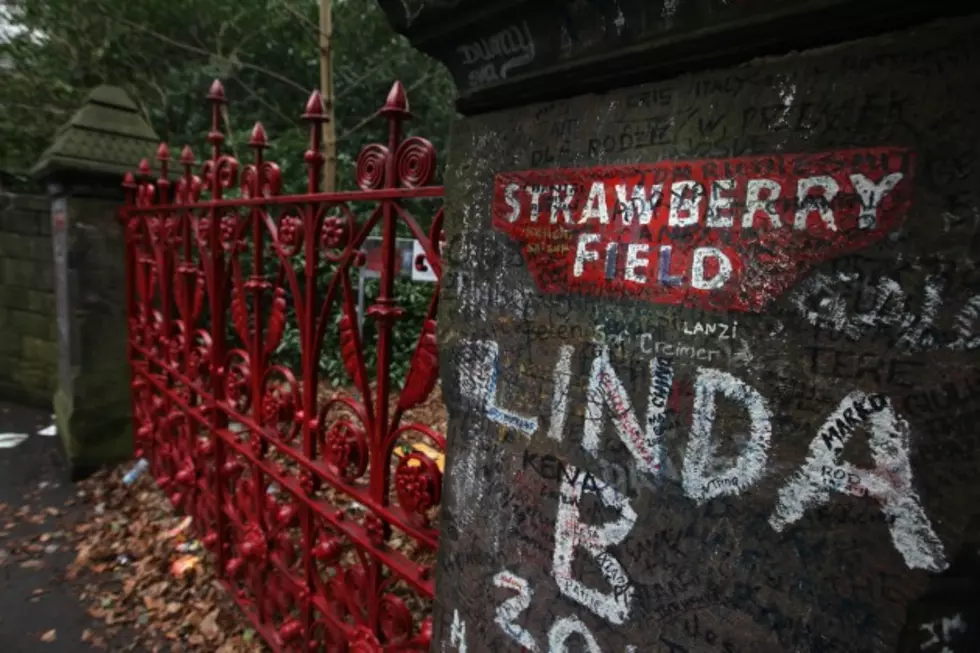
{"x":40,"y":610}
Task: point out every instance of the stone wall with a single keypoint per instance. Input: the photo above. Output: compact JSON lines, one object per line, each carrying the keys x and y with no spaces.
{"x":28,"y":331}
{"x":709,"y":348}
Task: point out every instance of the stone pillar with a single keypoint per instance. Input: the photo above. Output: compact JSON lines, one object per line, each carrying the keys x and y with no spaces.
{"x":83,"y":171}
{"x":709,"y":342}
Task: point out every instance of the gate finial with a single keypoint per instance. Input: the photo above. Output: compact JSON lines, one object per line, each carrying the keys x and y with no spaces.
{"x":258,"y":139}
{"x":315,"y":115}
{"x":396,"y":106}
{"x":314,"y":108}
{"x":217,"y":92}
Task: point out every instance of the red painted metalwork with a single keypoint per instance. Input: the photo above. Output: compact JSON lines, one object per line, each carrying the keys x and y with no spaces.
{"x":298,"y":494}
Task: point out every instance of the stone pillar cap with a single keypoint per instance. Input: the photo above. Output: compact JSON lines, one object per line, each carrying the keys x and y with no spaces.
{"x":102,"y":138}
{"x":507,"y":53}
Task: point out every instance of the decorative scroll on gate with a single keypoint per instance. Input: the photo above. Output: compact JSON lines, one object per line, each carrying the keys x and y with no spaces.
{"x":297,"y":492}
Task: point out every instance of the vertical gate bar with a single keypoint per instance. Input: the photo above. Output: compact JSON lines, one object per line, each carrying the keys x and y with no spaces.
{"x":315,"y":115}
{"x":385,"y":312}
{"x":164,"y":261}
{"x":253,"y":331}
{"x":182,"y":267}
{"x":129,"y":189}
{"x":360,"y":303}
{"x":216,"y":303}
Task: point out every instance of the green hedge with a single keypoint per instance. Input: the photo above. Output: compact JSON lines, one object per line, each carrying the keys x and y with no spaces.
{"x":412,"y":297}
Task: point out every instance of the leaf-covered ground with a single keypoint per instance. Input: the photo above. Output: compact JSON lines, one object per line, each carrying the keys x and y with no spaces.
{"x":139,"y":567}
{"x":103,"y":566}
{"x":136,"y":567}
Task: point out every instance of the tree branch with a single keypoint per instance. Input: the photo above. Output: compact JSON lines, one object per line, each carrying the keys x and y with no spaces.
{"x":374,"y":115}
{"x":201,"y":51}
{"x":298,"y":15}
{"x":361,"y":79}
{"x":291,"y":120}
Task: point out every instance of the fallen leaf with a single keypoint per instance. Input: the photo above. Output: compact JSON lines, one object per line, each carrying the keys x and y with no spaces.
{"x":129,"y":585}
{"x":178,"y":529}
{"x":49,"y":636}
{"x":183,"y":565}
{"x":153,"y":604}
{"x":209,"y":626}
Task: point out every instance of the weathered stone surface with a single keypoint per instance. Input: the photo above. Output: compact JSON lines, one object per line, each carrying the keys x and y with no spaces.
{"x":94,"y":436}
{"x":507,"y":53}
{"x":27,"y":316}
{"x":751,"y":467}
{"x":27,"y":273}
{"x":83,"y":169}
{"x":21,"y":246}
{"x":104,"y":137}
{"x":93,"y":397}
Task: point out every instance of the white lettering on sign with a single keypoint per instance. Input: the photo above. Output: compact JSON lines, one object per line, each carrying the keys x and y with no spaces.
{"x":638,"y":207}
{"x":478,"y":372}
{"x":564,"y":628}
{"x":685,"y":203}
{"x":700,"y":278}
{"x":561,"y":204}
{"x":495,"y":56}
{"x":510,"y":610}
{"x":720,"y":205}
{"x":703,"y":477}
{"x":870,"y":194}
{"x":583,"y":254}
{"x":661,"y":385}
{"x":760,"y":197}
{"x":457,"y":633}
{"x":596,"y":207}
{"x":513,"y":201}
{"x":637,"y":203}
{"x":422,"y":269}
{"x":948,"y":628}
{"x":559,"y":396}
{"x":890,"y":482}
{"x":719,"y":233}
{"x":606,"y":389}
{"x":965,"y":326}
{"x":559,"y":633}
{"x":810,"y":202}
{"x":821,"y":300}
{"x":571,"y":534}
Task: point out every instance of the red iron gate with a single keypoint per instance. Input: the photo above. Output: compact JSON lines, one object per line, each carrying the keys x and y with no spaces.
{"x":322,"y":527}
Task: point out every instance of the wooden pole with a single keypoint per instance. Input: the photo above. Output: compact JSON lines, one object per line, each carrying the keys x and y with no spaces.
{"x":326,"y":89}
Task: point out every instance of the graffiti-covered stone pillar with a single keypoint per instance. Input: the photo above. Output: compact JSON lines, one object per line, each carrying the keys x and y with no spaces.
{"x":709,"y":343}
{"x":83,"y":170}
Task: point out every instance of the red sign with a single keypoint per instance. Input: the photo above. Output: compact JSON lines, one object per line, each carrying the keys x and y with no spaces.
{"x":723,"y":234}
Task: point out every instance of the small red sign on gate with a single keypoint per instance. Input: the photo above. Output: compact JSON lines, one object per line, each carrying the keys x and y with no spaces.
{"x":722,"y":234}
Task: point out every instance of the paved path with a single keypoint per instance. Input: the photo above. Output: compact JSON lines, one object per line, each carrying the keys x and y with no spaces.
{"x":35,"y":596}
